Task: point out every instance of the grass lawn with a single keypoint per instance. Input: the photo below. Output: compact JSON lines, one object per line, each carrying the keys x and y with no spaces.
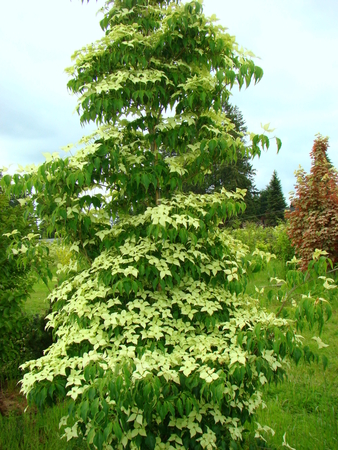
{"x":38,"y":303}
{"x":305,"y":406}
{"x":31,"y":430}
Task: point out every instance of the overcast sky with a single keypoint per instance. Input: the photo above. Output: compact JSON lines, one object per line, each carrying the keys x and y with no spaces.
{"x":296,"y":41}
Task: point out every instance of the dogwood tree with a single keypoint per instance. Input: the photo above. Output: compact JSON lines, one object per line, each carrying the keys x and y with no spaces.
{"x":157,"y":344}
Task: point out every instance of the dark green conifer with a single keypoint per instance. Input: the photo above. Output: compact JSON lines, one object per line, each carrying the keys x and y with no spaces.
{"x":273,"y":202}
{"x":230,"y":175}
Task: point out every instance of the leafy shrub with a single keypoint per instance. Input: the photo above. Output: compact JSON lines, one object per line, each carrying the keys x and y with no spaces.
{"x":303,"y":292}
{"x":269,"y":239}
{"x":61,"y":253}
{"x":27,"y":343}
{"x":23,"y":337}
{"x":15,"y":281}
{"x":282,"y":245}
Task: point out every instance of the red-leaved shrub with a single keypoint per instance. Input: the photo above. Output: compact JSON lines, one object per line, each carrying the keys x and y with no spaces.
{"x":313,"y":219}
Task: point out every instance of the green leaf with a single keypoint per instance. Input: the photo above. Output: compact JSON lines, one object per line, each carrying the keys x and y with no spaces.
{"x":188,"y":406}
{"x":179,"y":407}
{"x":233,"y":445}
{"x":91,"y":390}
{"x":117,"y":430}
{"x":127,"y":287}
{"x":94,"y":408}
{"x":150,"y":441}
{"x":145,"y":180}
{"x":91,"y":435}
{"x":7,"y":180}
{"x":258,"y":74}
{"x":80,"y":178}
{"x":134,"y":286}
{"x":84,"y":410}
{"x":99,"y":440}
{"x":163,"y":410}
{"x":296,"y":355}
{"x":108,"y":430}
{"x":212,"y":145}
{"x":325,"y":362}
{"x":119,"y":383}
{"x":63,"y":213}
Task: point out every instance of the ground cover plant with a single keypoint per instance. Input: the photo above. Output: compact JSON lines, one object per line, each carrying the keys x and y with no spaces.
{"x":157,"y":343}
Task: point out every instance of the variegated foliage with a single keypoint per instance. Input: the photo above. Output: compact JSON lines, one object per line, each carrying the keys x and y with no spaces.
{"x":157,"y":344}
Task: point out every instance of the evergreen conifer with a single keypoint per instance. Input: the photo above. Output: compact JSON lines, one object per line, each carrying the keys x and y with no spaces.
{"x":272,"y":202}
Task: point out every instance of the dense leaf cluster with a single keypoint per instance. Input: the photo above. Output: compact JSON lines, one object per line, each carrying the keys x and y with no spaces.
{"x":156,"y":343}
{"x":269,"y":239}
{"x":15,"y":282}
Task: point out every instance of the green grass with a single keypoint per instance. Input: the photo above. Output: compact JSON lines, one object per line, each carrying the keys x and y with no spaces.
{"x":38,"y":303}
{"x":305,"y":406}
{"x":33,"y":431}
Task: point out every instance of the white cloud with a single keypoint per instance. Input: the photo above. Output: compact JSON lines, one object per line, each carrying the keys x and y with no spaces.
{"x":297,"y":42}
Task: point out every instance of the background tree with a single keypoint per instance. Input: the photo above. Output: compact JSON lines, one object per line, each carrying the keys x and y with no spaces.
{"x":272,"y":202}
{"x":15,"y":281}
{"x":157,"y":344}
{"x":238,"y":173}
{"x":262,"y":205}
{"x":313,"y":221}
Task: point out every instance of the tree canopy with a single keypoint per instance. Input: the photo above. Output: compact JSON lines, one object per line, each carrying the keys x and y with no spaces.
{"x":158,"y":346}
{"x":126,"y":82}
